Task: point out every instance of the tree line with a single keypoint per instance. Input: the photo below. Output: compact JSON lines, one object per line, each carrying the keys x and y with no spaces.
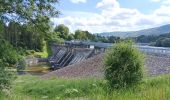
{"x":64,"y":33}
{"x":27,"y":37}
{"x":162,"y":40}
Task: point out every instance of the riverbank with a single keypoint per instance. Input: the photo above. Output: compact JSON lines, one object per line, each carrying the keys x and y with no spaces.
{"x":35,"y":88}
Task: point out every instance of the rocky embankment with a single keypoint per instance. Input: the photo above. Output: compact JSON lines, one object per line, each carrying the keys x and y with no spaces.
{"x":92,"y":67}
{"x":156,"y":65}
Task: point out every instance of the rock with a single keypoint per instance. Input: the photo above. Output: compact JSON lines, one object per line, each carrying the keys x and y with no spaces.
{"x":93,"y":67}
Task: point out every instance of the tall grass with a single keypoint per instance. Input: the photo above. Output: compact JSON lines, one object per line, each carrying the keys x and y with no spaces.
{"x":56,"y":88}
{"x":34,"y":88}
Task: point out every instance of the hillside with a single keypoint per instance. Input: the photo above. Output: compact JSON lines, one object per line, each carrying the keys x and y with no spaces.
{"x":151,"y":31}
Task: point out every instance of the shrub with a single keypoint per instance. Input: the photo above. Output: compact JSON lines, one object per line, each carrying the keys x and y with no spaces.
{"x":6,"y":77}
{"x":21,"y":65}
{"x":8,"y":58}
{"x":123,"y":65}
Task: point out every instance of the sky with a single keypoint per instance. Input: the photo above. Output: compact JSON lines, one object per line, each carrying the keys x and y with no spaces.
{"x":98,"y":16}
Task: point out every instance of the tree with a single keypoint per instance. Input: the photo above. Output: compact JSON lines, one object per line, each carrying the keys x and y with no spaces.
{"x":70,"y":37}
{"x":12,"y":33}
{"x":29,"y":21}
{"x":112,"y":39}
{"x":123,"y":65}
{"x":24,"y":11}
{"x":163,"y":42}
{"x":54,"y":37}
{"x":2,"y":29}
{"x":62,"y":30}
{"x":166,"y":42}
{"x":146,"y":39}
{"x":35,"y":14}
{"x":25,"y":36}
{"x":77,"y":34}
{"x":82,"y":35}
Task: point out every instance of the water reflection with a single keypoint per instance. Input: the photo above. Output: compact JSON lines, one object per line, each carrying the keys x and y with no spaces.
{"x":39,"y":69}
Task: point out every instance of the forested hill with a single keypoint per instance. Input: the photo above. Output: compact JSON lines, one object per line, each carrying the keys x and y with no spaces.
{"x":151,"y":31}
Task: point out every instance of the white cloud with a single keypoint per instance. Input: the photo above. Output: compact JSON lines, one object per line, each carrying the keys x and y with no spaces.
{"x":162,"y":11}
{"x":108,"y":4}
{"x":115,"y":18}
{"x":78,"y":1}
{"x":166,"y":2}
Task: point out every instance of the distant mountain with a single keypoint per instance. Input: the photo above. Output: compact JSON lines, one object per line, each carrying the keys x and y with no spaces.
{"x":151,"y":31}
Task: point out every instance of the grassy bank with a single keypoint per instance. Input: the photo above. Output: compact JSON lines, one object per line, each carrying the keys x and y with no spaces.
{"x":34,"y":88}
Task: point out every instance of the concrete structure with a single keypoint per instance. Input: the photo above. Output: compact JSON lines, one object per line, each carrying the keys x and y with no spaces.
{"x":75,"y":51}
{"x":102,"y":46}
{"x":31,"y":61}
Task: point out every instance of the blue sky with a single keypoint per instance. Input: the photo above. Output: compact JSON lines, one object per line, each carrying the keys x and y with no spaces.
{"x":112,"y":15}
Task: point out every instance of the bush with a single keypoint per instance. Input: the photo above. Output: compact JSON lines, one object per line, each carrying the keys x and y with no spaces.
{"x":21,"y":65}
{"x":123,"y":65}
{"x":6,"y":77}
{"x":8,"y":58}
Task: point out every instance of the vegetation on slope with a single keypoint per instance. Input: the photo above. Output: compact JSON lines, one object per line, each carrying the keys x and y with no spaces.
{"x":162,"y":40}
{"x":46,"y":51}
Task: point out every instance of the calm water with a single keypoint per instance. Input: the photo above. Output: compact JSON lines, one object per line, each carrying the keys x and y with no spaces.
{"x":40,"y":69}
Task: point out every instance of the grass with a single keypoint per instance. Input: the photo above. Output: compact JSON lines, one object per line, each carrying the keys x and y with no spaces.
{"x":46,"y":51}
{"x":34,"y":88}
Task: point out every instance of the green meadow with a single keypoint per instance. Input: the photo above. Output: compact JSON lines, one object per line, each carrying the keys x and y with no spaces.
{"x":35,"y":88}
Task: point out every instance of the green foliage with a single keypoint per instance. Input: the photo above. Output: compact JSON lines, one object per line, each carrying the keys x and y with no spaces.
{"x":24,"y":36}
{"x":163,"y":42}
{"x":113,"y":39}
{"x":2,"y":28}
{"x":29,"y":22}
{"x":81,"y":35}
{"x":46,"y":52}
{"x":54,"y":37}
{"x":123,"y":65}
{"x":70,"y":37}
{"x":8,"y":54}
{"x":109,"y":39}
{"x":62,"y":30}
{"x":6,"y":77}
{"x":8,"y":57}
{"x":21,"y":65}
{"x":27,"y":11}
{"x":146,"y":39}
{"x":59,"y":41}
